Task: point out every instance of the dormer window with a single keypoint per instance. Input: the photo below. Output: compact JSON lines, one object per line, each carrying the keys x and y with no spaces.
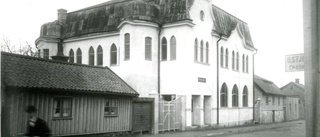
{"x":202,"y":15}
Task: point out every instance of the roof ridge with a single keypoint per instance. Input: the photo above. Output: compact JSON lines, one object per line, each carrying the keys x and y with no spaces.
{"x":230,"y":14}
{"x":49,"y":60}
{"x":111,"y":2}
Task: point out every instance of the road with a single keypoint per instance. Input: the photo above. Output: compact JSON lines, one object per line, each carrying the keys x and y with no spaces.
{"x":295,"y":129}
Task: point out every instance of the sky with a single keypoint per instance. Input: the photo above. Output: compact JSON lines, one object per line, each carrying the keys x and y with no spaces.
{"x":276,"y":28}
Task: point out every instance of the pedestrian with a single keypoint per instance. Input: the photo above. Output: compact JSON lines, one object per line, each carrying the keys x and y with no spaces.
{"x":36,"y":127}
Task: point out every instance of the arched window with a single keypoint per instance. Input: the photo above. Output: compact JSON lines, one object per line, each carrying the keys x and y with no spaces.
{"x":201,"y":51}
{"x":245,"y":97}
{"x":235,"y":96}
{"x":164,"y":49}
{"x":91,"y":56}
{"x":126,"y":46}
{"x":221,"y":57}
{"x":247,"y":64}
{"x":71,"y":56}
{"x":233,"y":60}
{"x":237,"y":61}
{"x":196,"y":49}
{"x":79,"y":56}
{"x":243,"y":63}
{"x":207,"y":53}
{"x":224,"y":95}
{"x":148,"y":48}
{"x":227,"y":58}
{"x":113,"y":55}
{"x":173,"y":48}
{"x":100,"y":56}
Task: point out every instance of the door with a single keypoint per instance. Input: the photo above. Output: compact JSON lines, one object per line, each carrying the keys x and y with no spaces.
{"x":141,"y":117}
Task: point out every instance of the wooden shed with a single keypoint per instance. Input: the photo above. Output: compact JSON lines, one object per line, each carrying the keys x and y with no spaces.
{"x":74,"y":99}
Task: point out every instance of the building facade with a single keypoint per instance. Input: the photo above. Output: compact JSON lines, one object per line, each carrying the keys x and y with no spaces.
{"x":269,"y":103}
{"x":294,"y":101}
{"x":171,"y":49}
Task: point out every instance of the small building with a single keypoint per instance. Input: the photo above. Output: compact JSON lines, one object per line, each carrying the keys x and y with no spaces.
{"x":74,"y":99}
{"x":268,"y":101}
{"x":294,"y":103}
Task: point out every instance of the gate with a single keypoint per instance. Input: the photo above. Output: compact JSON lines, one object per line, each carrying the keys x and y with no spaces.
{"x":170,"y":115}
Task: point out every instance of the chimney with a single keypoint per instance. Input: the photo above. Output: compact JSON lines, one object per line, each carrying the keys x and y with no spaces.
{"x":60,"y":56}
{"x":62,"y":16}
{"x":297,"y":80}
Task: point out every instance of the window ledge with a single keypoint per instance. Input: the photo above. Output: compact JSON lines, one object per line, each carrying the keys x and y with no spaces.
{"x":202,"y":63}
{"x":62,"y":118}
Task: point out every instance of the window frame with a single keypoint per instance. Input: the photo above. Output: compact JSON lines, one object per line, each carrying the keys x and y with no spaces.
{"x":164,"y":49}
{"x":233,"y":60}
{"x":91,"y":56}
{"x":148,"y":49}
{"x":247,"y":64}
{"x":207,"y":53}
{"x":245,"y":97}
{"x":62,"y":99}
{"x":114,"y":106}
{"x":113,"y":55}
{"x":71,"y":56}
{"x":227,"y":58}
{"x":196,"y":50}
{"x":221,"y":57}
{"x":46,"y":53}
{"x":224,"y":95}
{"x":173,"y":48}
{"x":99,"y":56}
{"x":235,"y":96}
{"x":79,"y":56}
{"x":126,"y":46}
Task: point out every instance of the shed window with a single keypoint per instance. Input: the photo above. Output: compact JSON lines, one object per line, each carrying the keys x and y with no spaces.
{"x":279,"y":101}
{"x":273,"y":100}
{"x":71,"y":56}
{"x":235,"y":96}
{"x":224,"y":96}
{"x":46,"y":53}
{"x":164,"y":49}
{"x":113,"y":54}
{"x":111,"y":107}
{"x":173,"y":47}
{"x":126,"y":46}
{"x":79,"y":56}
{"x":100,"y":56}
{"x":245,"y":97}
{"x":91,"y":56}
{"x":62,"y":107}
{"x":267,"y":99}
{"x":148,"y":48}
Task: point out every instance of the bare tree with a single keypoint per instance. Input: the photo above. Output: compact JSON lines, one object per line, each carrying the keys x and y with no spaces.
{"x":24,"y":49}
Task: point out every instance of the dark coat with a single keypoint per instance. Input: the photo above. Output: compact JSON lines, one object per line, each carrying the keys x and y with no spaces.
{"x":39,"y":129}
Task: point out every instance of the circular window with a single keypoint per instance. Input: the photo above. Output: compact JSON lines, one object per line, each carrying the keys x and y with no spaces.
{"x":201,"y":15}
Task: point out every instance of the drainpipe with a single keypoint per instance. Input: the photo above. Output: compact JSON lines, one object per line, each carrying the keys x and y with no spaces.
{"x":253,"y":85}
{"x":159,"y":57}
{"x":220,"y":37}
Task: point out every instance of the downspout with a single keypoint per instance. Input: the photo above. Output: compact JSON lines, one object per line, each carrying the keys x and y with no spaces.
{"x":253,"y":85}
{"x":220,"y":37}
{"x":159,"y":57}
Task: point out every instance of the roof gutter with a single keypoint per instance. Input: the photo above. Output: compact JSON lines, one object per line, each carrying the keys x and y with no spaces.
{"x":220,"y":37}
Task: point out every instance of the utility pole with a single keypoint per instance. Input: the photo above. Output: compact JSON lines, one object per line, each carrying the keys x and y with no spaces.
{"x":311,"y":27}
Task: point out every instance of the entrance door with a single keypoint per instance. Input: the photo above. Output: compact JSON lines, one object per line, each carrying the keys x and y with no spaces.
{"x":141,"y":117}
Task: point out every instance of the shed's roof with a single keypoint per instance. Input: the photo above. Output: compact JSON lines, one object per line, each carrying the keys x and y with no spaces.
{"x":299,"y":91}
{"x":267,"y":86}
{"x":31,"y":72}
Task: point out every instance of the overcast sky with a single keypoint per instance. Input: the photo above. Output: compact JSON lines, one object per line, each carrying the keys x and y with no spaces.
{"x":276,"y":27}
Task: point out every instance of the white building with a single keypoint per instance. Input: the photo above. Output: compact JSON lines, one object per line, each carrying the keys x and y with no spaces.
{"x":185,"y":48}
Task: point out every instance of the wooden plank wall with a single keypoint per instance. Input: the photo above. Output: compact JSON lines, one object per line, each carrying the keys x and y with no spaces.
{"x":87,"y":113}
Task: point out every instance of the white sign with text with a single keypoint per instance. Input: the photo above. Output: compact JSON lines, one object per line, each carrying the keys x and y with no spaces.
{"x":294,"y":62}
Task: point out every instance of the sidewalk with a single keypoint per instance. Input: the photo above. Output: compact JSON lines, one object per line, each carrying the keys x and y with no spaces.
{"x":221,"y":131}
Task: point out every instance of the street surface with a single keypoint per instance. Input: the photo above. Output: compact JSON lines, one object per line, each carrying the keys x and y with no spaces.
{"x":287,"y":129}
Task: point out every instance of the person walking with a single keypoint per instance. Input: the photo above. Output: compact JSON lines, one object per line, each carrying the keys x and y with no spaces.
{"x":36,"y":127}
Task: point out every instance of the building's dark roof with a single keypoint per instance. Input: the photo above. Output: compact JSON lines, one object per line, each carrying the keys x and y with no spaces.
{"x":267,"y":86}
{"x":225,"y":23}
{"x":31,"y":72}
{"x":299,"y":91}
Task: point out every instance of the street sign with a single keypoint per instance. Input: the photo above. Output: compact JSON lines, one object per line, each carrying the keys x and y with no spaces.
{"x":294,"y":62}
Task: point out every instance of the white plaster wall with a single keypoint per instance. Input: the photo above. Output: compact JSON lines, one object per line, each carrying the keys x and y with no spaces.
{"x":53,"y":49}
